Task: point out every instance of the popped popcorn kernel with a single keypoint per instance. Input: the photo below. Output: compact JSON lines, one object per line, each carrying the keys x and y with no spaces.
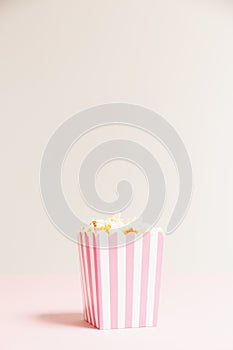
{"x":130,"y":229}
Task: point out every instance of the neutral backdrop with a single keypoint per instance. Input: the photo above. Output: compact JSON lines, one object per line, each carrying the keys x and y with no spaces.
{"x":59,"y":57}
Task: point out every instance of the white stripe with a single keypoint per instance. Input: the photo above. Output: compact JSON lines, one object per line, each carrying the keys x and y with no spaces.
{"x":91,"y":241}
{"x":151,"y":278}
{"x":105,"y":282}
{"x":87,"y":278}
{"x":121,"y":284}
{"x":137,"y":281}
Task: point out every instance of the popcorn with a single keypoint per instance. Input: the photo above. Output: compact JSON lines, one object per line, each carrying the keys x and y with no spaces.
{"x":131,"y":229}
{"x":114,"y":222}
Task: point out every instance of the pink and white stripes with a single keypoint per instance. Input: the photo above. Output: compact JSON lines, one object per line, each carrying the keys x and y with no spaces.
{"x":121,"y":284}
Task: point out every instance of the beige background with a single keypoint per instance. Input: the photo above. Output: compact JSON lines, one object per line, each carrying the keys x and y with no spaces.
{"x":59,"y":57}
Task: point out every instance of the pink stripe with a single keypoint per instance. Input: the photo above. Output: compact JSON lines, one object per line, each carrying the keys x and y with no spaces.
{"x":129,"y":278}
{"x":144,"y":278}
{"x":82,"y":284}
{"x":90,"y":278}
{"x":158,"y":276}
{"x":112,"y":242}
{"x":98,"y":280}
{"x":88,"y":282}
{"x":85,"y":279}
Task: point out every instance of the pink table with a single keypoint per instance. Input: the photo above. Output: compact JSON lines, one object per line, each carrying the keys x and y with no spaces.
{"x":44,"y":312}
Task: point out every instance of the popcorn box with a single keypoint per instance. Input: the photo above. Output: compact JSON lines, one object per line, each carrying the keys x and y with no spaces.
{"x":121,"y":284}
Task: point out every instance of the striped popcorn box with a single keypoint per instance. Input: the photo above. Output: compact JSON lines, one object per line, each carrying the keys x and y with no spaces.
{"x":121,"y":283}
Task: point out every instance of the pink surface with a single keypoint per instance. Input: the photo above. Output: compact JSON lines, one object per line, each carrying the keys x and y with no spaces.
{"x":45,"y":312}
